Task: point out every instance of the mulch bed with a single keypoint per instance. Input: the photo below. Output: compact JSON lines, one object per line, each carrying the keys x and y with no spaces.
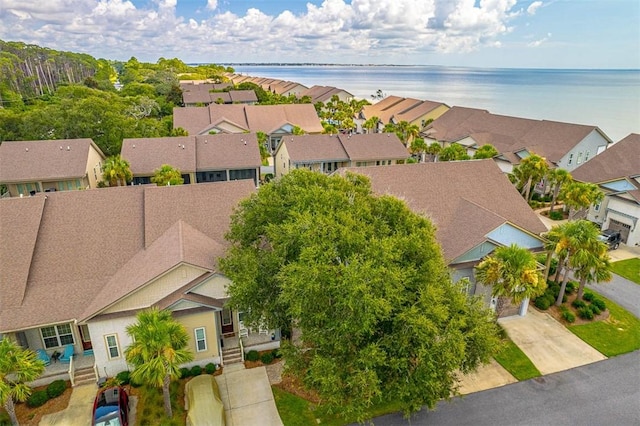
{"x":32,"y":416}
{"x":294,"y":386}
{"x":556,"y":313}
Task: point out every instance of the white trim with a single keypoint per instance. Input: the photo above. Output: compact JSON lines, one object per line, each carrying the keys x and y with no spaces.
{"x":57,"y":335}
{"x":203,"y":339}
{"x":109,"y":347}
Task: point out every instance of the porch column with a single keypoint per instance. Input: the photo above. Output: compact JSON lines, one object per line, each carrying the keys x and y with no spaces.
{"x":523,"y":307}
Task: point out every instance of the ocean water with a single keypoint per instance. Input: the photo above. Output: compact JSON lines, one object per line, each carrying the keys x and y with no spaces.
{"x":609,"y":99}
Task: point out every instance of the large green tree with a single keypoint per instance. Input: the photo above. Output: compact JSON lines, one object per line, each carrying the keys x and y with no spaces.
{"x":512,"y":272}
{"x":17,"y":366}
{"x":485,"y":151}
{"x":167,"y":175}
{"x":530,"y":171}
{"x":363,"y":279}
{"x":579,"y":196}
{"x":158,"y":349}
{"x":557,"y":178}
{"x":453,"y":152}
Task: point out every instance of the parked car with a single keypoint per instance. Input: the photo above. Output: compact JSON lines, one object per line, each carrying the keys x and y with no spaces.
{"x":111,"y":407}
{"x":203,"y":402}
{"x":611,"y":238}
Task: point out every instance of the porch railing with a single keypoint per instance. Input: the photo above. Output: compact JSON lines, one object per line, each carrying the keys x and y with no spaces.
{"x":72,"y":371}
{"x":95,"y":371}
{"x":241,"y":348}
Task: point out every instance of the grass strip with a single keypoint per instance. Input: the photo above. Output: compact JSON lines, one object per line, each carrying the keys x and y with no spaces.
{"x":629,"y":269}
{"x":516,"y":362}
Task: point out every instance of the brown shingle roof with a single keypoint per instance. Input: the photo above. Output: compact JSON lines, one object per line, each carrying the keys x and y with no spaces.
{"x":417,"y":111}
{"x":374,"y":146}
{"x":145,"y":155}
{"x":191,"y":119}
{"x":44,"y":159}
{"x":620,"y":160}
{"x":465,"y":199}
{"x":312,"y":148}
{"x":73,"y":258}
{"x":227,"y":151}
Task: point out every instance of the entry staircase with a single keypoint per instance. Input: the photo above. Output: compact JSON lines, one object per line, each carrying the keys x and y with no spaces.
{"x":231,"y":356}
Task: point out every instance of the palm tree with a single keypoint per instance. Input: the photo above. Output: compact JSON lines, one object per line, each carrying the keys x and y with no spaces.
{"x":17,"y":366}
{"x":512,"y":272}
{"x":454,"y":152}
{"x":406,"y":132}
{"x":577,"y":246}
{"x":485,"y":151}
{"x":167,"y":175}
{"x":371,"y":124}
{"x":530,"y":171}
{"x":433,"y":150}
{"x":579,"y":197}
{"x":116,"y":171}
{"x":158,"y":350}
{"x":557,"y":179}
{"x":593,"y":266}
{"x":418,"y":147}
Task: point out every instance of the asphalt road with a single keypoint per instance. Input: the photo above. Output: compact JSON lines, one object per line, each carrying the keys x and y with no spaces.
{"x":599,"y":394}
{"x":622,"y":291}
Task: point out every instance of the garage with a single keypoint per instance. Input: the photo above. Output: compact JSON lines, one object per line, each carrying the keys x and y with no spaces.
{"x":623,"y":228}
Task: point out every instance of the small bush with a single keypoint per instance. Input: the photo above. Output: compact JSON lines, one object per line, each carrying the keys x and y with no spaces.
{"x":185,"y":372}
{"x":571,"y":288}
{"x":594,"y":309}
{"x":599,"y":303}
{"x":568,"y":316}
{"x":210,"y":368}
{"x":556,"y":215}
{"x":278,"y":354}
{"x":266,"y":358}
{"x":124,"y":377}
{"x":554,"y":290}
{"x":585,"y":313}
{"x":196,"y":370}
{"x":56,"y":388}
{"x":37,"y":398}
{"x":588,"y":297}
{"x":252,"y":356}
{"x":542,"y":303}
{"x":578,"y":304}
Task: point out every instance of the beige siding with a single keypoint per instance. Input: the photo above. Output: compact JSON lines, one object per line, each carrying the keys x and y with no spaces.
{"x":229,"y":128}
{"x":282,"y":160}
{"x":215,"y":287}
{"x":94,"y":167}
{"x":202,"y":319}
{"x":157,"y":289}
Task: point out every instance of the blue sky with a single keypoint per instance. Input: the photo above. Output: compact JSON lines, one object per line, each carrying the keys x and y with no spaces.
{"x":474,"y":33}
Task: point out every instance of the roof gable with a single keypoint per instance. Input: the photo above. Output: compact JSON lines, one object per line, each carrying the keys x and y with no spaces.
{"x":620,"y":160}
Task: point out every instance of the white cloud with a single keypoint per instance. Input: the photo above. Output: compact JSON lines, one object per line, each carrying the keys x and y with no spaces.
{"x":533,"y":7}
{"x":329,"y":31}
{"x":537,"y":43}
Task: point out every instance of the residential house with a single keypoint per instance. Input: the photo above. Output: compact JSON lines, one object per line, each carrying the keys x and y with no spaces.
{"x":287,"y":88}
{"x":617,"y":172}
{"x":564,"y":145}
{"x":79,"y":265}
{"x":28,"y":167}
{"x":473,"y":206}
{"x":325,"y":93}
{"x":206,"y":158}
{"x":274,"y":120}
{"x":203,"y":94}
{"x":327,"y":153}
{"x":394,"y":109}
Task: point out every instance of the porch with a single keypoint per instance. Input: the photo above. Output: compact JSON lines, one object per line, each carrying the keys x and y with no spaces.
{"x":60,"y":371}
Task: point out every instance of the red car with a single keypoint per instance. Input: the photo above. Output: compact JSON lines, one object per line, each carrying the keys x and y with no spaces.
{"x":111,"y":407}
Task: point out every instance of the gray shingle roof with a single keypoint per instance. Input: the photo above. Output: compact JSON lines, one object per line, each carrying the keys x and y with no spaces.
{"x":620,"y":160}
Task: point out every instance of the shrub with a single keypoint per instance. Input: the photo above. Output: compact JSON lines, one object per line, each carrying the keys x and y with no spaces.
{"x":554,"y":290}
{"x":588,"y":297}
{"x":542,"y":303}
{"x":134,"y":384}
{"x":37,"y":398}
{"x":124,"y":377}
{"x":278,"y":354}
{"x":56,"y":388}
{"x":252,"y":356}
{"x":585,"y":313}
{"x":556,"y":215}
{"x":572,"y":286}
{"x":185,"y":372}
{"x":196,"y":370}
{"x":578,"y":304}
{"x":266,"y":358}
{"x":568,"y":316}
{"x":595,"y":309}
{"x":210,"y":368}
{"x":599,"y":303}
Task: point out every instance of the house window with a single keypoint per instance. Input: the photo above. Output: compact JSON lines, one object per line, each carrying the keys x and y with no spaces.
{"x":579,"y":160}
{"x":56,"y":336}
{"x":201,"y":339}
{"x":596,"y":207}
{"x":586,"y":156}
{"x":570,"y":159}
{"x":226,"y":316}
{"x":112,"y":345}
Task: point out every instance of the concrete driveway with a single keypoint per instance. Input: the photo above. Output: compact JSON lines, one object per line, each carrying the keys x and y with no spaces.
{"x":247,"y":397}
{"x":489,"y":376}
{"x":547,"y":343}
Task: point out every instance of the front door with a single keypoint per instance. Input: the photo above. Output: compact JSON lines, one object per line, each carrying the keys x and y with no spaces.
{"x":226,"y":317}
{"x":85,"y":337}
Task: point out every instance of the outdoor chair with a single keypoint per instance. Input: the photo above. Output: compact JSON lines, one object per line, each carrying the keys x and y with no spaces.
{"x":66,"y":355}
{"x":42,"y":356}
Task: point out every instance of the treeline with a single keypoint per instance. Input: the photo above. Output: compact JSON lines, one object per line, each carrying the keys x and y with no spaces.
{"x":80,"y":98}
{"x":28,"y":70}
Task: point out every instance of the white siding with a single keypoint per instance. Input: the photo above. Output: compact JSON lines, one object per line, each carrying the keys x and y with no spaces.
{"x":100,"y":329}
{"x":592,"y":143}
{"x":215,"y":287}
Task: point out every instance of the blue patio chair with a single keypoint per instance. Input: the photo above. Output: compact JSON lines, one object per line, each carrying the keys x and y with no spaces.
{"x":42,"y":356}
{"x":65,"y":358}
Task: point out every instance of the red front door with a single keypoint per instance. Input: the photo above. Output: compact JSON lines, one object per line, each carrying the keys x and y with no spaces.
{"x":226,"y":319}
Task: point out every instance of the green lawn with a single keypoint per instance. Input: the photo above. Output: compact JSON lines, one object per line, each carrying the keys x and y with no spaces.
{"x":516,"y":362}
{"x":630,"y":269}
{"x":618,"y":334}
